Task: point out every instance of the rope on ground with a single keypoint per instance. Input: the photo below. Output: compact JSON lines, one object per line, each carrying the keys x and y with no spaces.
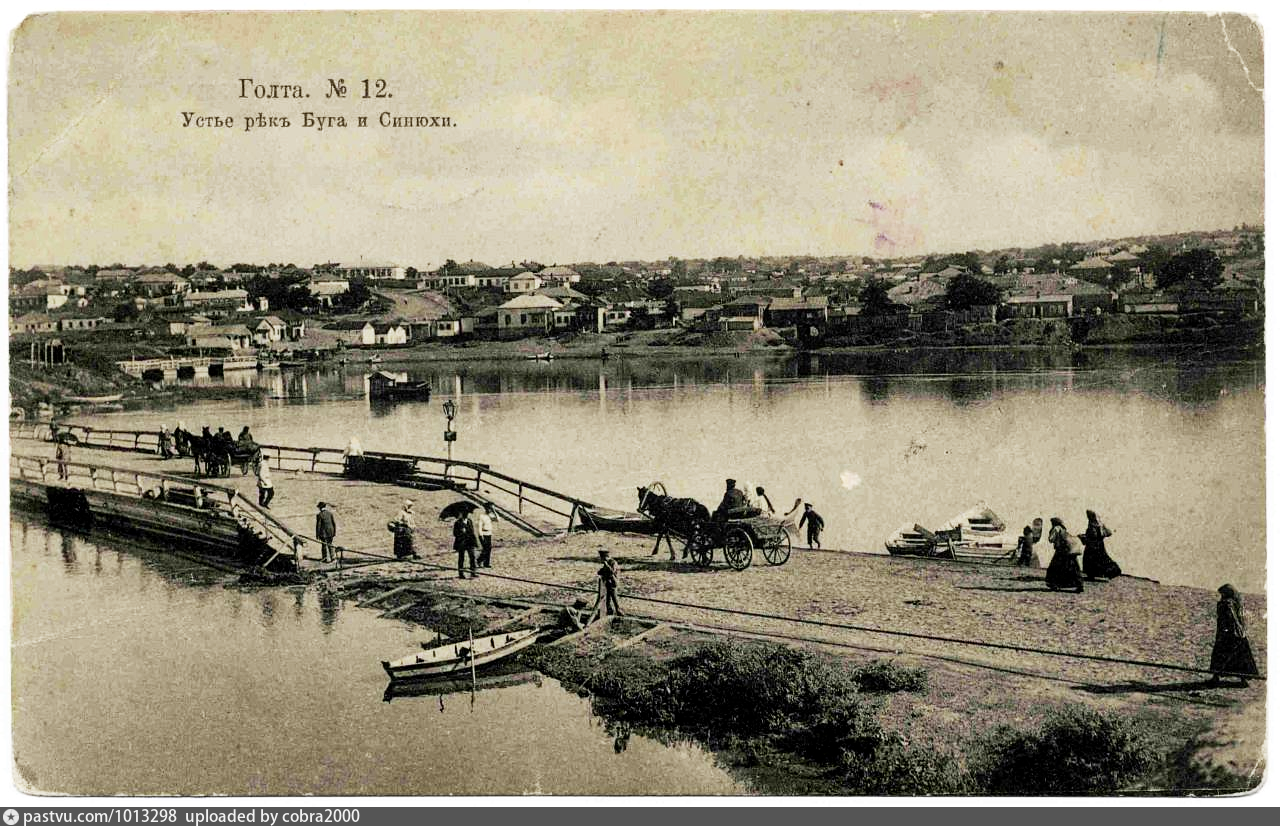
{"x":1050,"y":652}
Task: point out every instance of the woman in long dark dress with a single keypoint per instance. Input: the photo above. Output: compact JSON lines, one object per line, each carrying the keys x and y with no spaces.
{"x":1232,"y":654}
{"x":1064,"y":568}
{"x":1098,"y":564}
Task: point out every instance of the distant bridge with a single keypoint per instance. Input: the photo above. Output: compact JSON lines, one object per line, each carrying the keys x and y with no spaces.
{"x":193,"y":365}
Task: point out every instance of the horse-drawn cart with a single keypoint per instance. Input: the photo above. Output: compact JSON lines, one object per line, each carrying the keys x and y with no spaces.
{"x":702,"y":533}
{"x":739,"y":538}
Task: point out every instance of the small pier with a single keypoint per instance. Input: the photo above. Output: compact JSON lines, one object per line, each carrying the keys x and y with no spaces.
{"x":124,"y":467}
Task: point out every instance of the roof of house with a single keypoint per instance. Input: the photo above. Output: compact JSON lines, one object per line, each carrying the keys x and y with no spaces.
{"x":220,"y":330}
{"x":1094,"y":263}
{"x":216,"y":295}
{"x":816,"y":302}
{"x":563,"y":293}
{"x":221,"y":342}
{"x":912,"y":291}
{"x":754,"y":300}
{"x":560,"y":272}
{"x":33,"y":318}
{"x":1055,"y":283}
{"x":527,"y":274}
{"x":533,"y":301}
{"x":1053,"y":298}
{"x":161,"y":277}
{"x":383,"y":327}
{"x":367,"y":265}
{"x":474,"y":266}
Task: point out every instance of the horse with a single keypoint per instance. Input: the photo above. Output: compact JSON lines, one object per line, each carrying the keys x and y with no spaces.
{"x":673,"y":515}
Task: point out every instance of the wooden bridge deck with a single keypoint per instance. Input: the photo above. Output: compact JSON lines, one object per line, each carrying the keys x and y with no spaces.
{"x":361,"y":508}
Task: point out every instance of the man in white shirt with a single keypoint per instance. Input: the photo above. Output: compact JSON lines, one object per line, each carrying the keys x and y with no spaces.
{"x":484,"y":526}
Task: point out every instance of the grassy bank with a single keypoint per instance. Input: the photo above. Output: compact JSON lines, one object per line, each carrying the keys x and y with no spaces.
{"x":805,"y":721}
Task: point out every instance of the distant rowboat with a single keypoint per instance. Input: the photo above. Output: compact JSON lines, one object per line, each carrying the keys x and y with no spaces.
{"x":93,"y":399}
{"x":458,"y":658}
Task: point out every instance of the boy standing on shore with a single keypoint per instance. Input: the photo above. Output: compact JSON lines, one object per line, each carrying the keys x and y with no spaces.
{"x":608,"y":575}
{"x":815,"y":526}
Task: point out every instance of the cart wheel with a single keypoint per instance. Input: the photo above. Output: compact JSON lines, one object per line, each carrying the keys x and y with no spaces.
{"x":779,"y":553}
{"x":699,"y":547}
{"x":737,"y":549}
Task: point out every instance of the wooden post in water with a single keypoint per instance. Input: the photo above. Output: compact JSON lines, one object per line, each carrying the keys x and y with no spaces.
{"x":472,"y":641}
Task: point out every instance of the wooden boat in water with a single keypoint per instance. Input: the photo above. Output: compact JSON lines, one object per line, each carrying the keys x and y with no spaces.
{"x":605,"y":519}
{"x":458,"y":658}
{"x":499,"y":677}
{"x":115,"y":397}
{"x":388,"y":387}
{"x":977,"y":535}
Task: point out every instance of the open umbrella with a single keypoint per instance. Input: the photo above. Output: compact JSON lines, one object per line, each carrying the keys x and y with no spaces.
{"x":456,"y":509}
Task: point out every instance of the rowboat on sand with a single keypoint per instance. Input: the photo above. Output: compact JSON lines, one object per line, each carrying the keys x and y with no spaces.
{"x":977,"y":535}
{"x":606,"y":519}
{"x":457,"y":658}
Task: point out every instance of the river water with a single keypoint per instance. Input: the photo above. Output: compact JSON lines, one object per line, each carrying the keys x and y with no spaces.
{"x":137,"y":672}
{"x":1168,"y":448}
{"x":140,"y":673}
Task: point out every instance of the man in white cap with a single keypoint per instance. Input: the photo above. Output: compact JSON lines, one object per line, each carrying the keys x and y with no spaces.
{"x":403,"y":546}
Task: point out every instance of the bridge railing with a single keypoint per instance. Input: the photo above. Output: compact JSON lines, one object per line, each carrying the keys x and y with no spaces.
{"x":138,"y":483}
{"x":473,"y":475}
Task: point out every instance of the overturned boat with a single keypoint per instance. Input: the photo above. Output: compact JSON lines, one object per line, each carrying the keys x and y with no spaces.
{"x":977,"y":535}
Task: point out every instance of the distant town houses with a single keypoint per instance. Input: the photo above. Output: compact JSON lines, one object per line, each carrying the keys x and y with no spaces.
{"x":370,"y":333}
{"x":219,"y":301}
{"x":326,"y":288}
{"x":525,"y":282}
{"x":371,"y":271}
{"x":527,"y":313}
{"x":176,"y":305}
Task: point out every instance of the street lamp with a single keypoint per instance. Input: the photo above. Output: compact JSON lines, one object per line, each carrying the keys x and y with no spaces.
{"x":450,"y":410}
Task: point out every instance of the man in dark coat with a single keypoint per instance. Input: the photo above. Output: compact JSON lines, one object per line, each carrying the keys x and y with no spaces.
{"x":326,"y":530}
{"x":465,"y":541}
{"x":734,"y":505}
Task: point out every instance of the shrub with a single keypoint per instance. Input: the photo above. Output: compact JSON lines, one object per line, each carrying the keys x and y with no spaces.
{"x":1076,"y":751}
{"x":895,"y":768}
{"x":884,"y":676}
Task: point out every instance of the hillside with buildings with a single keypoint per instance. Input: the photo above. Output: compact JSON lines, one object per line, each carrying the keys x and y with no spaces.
{"x":1167,"y":289}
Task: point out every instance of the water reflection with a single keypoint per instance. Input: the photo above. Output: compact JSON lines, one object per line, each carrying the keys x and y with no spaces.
{"x":90,"y":717}
{"x":1029,"y":432}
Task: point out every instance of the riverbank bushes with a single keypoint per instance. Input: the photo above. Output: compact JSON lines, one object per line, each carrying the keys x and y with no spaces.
{"x":780,"y":704}
{"x":1077,"y":750}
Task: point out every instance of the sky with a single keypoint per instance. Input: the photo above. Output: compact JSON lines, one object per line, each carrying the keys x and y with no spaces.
{"x":617,"y":136}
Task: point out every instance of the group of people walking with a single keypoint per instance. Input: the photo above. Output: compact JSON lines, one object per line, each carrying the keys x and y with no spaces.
{"x":472,"y":537}
{"x":1077,"y":559}
{"x":1065,"y":571}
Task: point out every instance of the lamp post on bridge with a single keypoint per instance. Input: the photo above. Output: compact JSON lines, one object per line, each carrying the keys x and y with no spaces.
{"x":450,"y":435}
